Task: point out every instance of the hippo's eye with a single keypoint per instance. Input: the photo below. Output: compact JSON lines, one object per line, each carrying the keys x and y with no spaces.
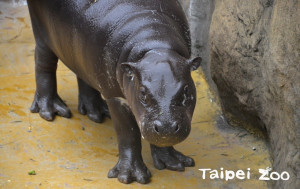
{"x":143,"y":96}
{"x":130,"y":75}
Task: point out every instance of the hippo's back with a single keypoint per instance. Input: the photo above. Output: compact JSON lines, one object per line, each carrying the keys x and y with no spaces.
{"x":92,"y":37}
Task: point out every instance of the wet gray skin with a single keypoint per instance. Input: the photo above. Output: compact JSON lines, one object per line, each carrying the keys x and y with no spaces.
{"x":161,"y":97}
{"x":134,"y":53}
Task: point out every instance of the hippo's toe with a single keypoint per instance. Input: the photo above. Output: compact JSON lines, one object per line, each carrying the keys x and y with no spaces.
{"x":128,"y":171}
{"x":168,"y":157}
{"x":50,"y":106}
{"x":96,"y":110}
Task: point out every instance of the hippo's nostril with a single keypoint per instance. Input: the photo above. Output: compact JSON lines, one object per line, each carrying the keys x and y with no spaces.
{"x":157,"y":125}
{"x":175,"y":127}
{"x":156,"y":129}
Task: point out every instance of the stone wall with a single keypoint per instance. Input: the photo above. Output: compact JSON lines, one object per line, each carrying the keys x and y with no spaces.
{"x":253,"y":55}
{"x":255,"y":63}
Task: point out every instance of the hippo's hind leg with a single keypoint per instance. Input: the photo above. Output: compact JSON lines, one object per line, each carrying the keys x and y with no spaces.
{"x":90,"y":102}
{"x":46,"y":100}
{"x":168,"y":157}
{"x":130,"y":166}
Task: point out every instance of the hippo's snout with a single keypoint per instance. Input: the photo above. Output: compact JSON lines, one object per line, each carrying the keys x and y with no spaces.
{"x":161,"y":130}
{"x":165,"y":134}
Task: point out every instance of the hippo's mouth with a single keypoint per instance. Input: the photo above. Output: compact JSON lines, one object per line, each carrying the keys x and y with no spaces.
{"x":163,"y":139}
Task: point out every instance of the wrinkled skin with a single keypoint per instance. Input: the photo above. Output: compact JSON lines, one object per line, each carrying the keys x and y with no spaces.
{"x":134,"y":53}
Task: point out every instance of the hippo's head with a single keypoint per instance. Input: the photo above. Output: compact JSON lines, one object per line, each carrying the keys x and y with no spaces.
{"x":161,"y":94}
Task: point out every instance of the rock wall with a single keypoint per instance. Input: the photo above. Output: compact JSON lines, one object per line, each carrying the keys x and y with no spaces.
{"x":252,"y":54}
{"x":255,"y":63}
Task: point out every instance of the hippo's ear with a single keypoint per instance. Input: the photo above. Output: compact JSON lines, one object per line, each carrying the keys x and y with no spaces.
{"x":127,"y":68}
{"x":195,"y":63}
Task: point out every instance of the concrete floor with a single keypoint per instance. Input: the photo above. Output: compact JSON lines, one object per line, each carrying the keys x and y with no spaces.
{"x":77,"y":153}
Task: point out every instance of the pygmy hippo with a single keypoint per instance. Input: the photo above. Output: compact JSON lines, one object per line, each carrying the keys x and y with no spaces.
{"x":135,"y":54}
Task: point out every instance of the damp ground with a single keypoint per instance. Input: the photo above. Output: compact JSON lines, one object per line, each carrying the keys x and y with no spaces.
{"x":78,"y":153}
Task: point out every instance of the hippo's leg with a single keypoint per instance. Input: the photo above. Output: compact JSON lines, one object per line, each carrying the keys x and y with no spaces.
{"x":90,"y":102}
{"x":46,"y":100}
{"x":168,"y":157}
{"x":130,"y":166}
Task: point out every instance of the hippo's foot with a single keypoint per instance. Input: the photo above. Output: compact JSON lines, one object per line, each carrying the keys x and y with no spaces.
{"x":90,"y":102}
{"x":95,"y":109}
{"x":50,"y":106}
{"x":129,"y":170}
{"x":168,"y":157}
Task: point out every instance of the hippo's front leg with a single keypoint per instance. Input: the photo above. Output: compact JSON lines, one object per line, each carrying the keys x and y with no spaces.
{"x":168,"y":157}
{"x":130,"y":166}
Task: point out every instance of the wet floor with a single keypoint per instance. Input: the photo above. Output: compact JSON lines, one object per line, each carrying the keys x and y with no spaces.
{"x":77,"y":153}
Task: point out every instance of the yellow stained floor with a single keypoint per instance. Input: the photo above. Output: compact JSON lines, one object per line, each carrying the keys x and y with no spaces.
{"x":77,"y":153}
